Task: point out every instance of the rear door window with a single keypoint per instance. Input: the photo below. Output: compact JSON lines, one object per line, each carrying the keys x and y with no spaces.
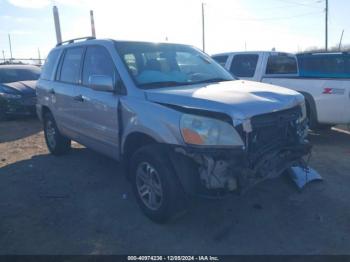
{"x":221,"y":59}
{"x":244,"y":65}
{"x":50,"y":62}
{"x":97,"y":62}
{"x":281,"y":64}
{"x":70,"y":71}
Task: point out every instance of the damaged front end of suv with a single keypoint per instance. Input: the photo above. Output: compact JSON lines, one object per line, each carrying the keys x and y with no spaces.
{"x":237,"y":157}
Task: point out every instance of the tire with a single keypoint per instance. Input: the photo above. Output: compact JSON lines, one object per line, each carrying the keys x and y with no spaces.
{"x":151,"y":171}
{"x":56,"y":143}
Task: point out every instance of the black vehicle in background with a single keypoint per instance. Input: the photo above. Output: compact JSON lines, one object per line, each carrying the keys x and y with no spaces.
{"x":17,"y":90}
{"x":324,"y":65}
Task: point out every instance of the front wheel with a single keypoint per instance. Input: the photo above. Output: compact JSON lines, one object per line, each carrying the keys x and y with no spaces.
{"x":156,"y":187}
{"x":55,"y":141}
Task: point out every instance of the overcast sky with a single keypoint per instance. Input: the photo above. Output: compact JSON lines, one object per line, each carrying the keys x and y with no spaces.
{"x":231,"y":25}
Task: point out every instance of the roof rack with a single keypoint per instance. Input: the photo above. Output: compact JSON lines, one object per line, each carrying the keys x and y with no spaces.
{"x":71,"y":41}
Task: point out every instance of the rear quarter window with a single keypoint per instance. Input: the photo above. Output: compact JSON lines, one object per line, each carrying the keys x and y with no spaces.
{"x":278,"y":64}
{"x":49,"y":65}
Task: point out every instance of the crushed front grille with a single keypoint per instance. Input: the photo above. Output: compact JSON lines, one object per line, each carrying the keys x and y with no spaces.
{"x":272,"y":131}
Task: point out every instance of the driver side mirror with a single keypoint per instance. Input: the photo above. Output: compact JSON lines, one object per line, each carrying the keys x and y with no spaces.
{"x":101,"y":83}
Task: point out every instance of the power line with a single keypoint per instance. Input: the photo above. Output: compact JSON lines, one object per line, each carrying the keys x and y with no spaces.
{"x":259,"y":8}
{"x":303,"y":4}
{"x":278,"y":18}
{"x":288,"y":5}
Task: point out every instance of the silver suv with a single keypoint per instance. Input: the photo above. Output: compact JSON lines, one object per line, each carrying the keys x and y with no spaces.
{"x":182,"y":125}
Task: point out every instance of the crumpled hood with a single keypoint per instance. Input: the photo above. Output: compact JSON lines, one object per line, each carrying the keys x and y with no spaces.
{"x":24,"y":87}
{"x":240,"y":99}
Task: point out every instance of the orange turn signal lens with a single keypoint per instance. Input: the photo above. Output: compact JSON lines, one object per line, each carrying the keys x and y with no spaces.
{"x":192,"y":137}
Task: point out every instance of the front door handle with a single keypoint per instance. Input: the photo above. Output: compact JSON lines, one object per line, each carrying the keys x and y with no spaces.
{"x":79,"y":98}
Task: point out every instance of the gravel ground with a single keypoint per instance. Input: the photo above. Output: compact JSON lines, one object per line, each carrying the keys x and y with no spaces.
{"x":82,"y":204}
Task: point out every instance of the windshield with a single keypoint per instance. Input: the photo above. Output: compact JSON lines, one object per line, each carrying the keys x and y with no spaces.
{"x":9,"y":75}
{"x":160,"y":65}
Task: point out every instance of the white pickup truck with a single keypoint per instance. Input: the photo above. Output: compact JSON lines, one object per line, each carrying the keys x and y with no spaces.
{"x":327,"y":99}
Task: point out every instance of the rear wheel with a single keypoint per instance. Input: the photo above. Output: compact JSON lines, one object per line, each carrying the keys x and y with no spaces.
{"x":313,"y":123}
{"x":156,"y":187}
{"x":55,"y":141}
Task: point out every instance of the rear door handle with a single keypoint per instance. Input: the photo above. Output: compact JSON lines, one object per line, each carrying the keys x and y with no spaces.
{"x":79,"y":98}
{"x":52,"y":91}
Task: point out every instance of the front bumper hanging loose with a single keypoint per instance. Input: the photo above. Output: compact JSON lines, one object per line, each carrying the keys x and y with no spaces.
{"x":214,"y":173}
{"x":303,"y":175}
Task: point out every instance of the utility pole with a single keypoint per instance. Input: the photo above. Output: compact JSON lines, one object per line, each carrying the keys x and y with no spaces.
{"x":203,"y":28}
{"x":39,"y":57}
{"x":56,"y":19}
{"x":341,"y":39}
{"x":326,"y":24}
{"x":93,"y":33}
{"x":10,"y":47}
{"x":3,"y":55}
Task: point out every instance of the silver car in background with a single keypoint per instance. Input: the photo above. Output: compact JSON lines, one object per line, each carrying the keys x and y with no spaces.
{"x":177,"y":120}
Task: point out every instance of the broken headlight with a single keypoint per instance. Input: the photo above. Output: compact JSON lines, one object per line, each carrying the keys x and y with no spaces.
{"x":198,"y":130}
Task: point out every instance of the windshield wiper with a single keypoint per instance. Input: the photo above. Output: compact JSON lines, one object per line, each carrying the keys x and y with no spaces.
{"x":212,"y":80}
{"x":176,"y":83}
{"x":164,"y":84}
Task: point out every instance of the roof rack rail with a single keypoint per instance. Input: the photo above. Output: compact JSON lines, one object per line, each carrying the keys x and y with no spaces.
{"x":71,"y":41}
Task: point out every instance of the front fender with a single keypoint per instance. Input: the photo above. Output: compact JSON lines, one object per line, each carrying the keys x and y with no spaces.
{"x":152,"y":119}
